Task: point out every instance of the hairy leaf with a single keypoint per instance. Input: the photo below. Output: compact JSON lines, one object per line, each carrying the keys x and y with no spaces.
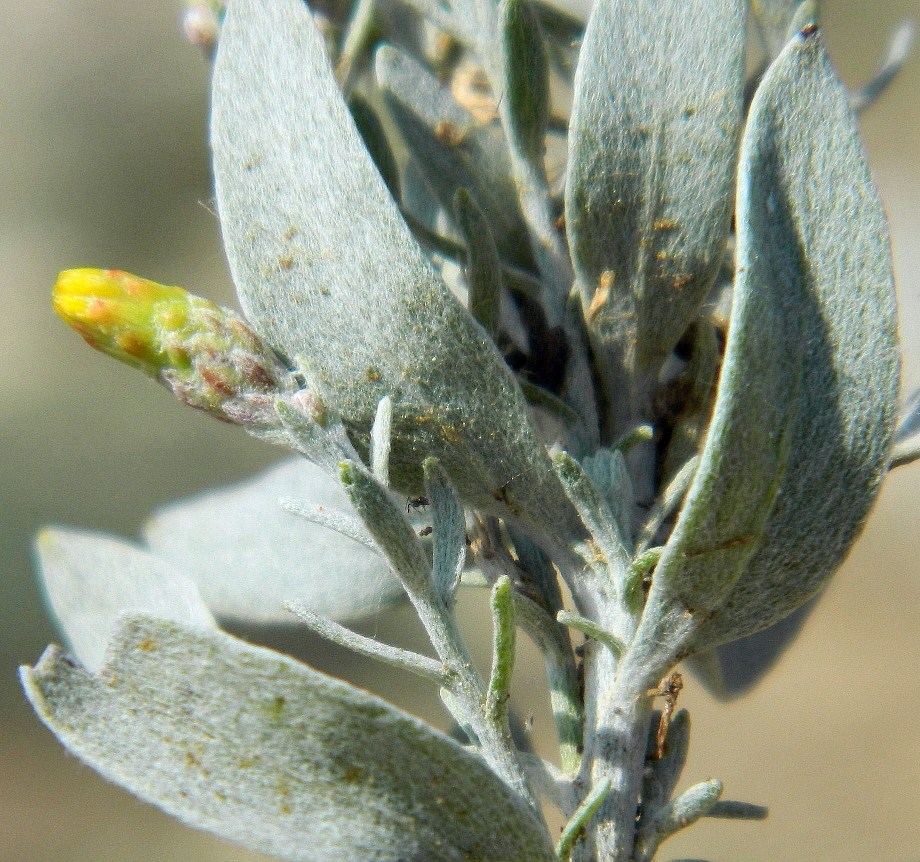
{"x":807,"y":398}
{"x":329,"y":272}
{"x":526,"y":77}
{"x":652,"y":152}
{"x":806,"y":171}
{"x":91,"y":579}
{"x":264,"y":751}
{"x":249,"y":556}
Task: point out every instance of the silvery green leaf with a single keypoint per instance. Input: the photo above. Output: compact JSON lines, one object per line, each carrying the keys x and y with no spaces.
{"x":796,"y":448}
{"x":90,"y":579}
{"x":449,"y":539}
{"x":607,"y":470}
{"x":381,"y":439}
{"x":594,"y":512}
{"x":248,"y":555}
{"x":525,"y":78}
{"x":806,"y":170}
{"x":483,"y":267}
{"x":680,"y":812}
{"x":327,"y":270}
{"x":266,"y":752}
{"x":652,"y":150}
{"x":454,"y":151}
{"x":390,"y":529}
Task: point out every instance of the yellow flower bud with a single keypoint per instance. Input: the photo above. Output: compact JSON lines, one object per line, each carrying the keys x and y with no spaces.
{"x":207,"y":355}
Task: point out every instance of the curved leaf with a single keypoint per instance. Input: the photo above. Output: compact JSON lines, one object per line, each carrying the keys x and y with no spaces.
{"x":808,"y":393}
{"x":329,"y":272}
{"x":249,"y":556}
{"x":90,"y":579}
{"x":264,"y":751}
{"x":652,"y":151}
{"x":806,"y":170}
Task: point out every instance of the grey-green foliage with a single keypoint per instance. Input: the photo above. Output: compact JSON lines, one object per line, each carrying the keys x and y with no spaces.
{"x":652,"y":150}
{"x":725,"y":388}
{"x":526,"y":77}
{"x":90,"y":580}
{"x":776,"y":502}
{"x":354,"y":297}
{"x":261,"y":749}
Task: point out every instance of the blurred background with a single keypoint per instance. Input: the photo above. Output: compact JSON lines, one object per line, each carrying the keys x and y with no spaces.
{"x":105,"y":163}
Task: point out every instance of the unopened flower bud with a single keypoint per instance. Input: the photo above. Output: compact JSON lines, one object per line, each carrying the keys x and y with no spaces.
{"x":207,"y":355}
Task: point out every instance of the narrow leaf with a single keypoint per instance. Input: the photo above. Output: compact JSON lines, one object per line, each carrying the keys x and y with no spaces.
{"x":328,"y":270}
{"x":729,"y":809}
{"x":525,"y":77}
{"x":607,"y":470}
{"x":483,"y":267}
{"x":388,"y":526}
{"x":449,"y":532}
{"x":594,"y":511}
{"x":264,"y":751}
{"x":652,"y":150}
{"x":394,"y":656}
{"x":249,"y":556}
{"x":503,"y":646}
{"x":381,"y":440}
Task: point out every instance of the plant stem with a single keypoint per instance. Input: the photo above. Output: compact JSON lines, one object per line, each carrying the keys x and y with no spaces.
{"x":617,"y":721}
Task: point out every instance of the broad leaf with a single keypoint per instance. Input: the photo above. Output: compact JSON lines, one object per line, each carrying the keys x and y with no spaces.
{"x":796,"y":448}
{"x":264,"y":751}
{"x":90,"y":579}
{"x":805,"y":170}
{"x":652,"y":150}
{"x":330,"y":274}
{"x":249,"y":556}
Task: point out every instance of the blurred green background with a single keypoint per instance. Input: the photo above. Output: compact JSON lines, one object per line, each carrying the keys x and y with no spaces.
{"x":104,"y":163}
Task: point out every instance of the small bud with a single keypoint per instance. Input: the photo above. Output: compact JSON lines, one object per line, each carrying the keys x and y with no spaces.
{"x":207,"y":355}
